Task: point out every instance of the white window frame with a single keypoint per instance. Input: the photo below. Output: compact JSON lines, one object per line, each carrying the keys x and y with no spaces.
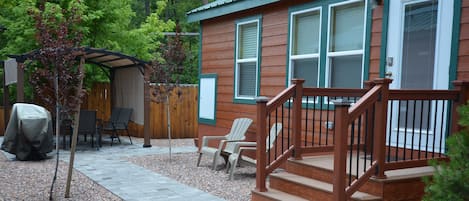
{"x":248,"y":60}
{"x":330,"y":55}
{"x":292,"y":57}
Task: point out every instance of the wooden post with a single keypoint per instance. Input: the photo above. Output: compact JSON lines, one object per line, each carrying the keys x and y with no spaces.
{"x":297,"y":101}
{"x":381,"y":113}
{"x":261,"y":135}
{"x":75,"y":131}
{"x":462,"y":87}
{"x":369,"y":120}
{"x":340,"y":149}
{"x":6,"y":102}
{"x":20,"y":83}
{"x":146,"y":106}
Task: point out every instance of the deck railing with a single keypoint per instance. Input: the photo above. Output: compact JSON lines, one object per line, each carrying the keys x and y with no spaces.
{"x":362,"y":127}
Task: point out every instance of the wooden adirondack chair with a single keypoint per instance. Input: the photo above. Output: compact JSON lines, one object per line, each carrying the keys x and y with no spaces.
{"x":226,"y":144}
{"x":236,"y":158}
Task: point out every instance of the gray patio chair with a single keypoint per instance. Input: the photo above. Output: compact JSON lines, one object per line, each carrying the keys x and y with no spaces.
{"x":236,"y":158}
{"x":226,"y":144}
{"x":87,"y":125}
{"x":119,"y":121}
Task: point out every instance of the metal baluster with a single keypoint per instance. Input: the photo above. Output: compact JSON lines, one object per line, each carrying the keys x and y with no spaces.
{"x":352,"y":136}
{"x":441,"y":127}
{"x":405,"y":127}
{"x":390,"y":130}
{"x":398,"y":127}
{"x":428,"y":125}
{"x":306,"y":120}
{"x":421,"y":125}
{"x":413,"y":132}
{"x":320,"y":118}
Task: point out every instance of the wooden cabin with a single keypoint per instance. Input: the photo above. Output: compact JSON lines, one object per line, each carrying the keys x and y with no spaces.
{"x":366,"y":90}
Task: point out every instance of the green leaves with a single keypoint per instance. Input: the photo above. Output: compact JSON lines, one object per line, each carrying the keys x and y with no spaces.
{"x":451,"y":180}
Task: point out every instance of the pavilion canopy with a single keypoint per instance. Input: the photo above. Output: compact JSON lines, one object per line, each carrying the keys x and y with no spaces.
{"x":128,"y":85}
{"x":101,"y":57}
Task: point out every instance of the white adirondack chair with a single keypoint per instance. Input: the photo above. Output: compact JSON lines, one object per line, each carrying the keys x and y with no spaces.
{"x":237,"y":157}
{"x":226,"y":144}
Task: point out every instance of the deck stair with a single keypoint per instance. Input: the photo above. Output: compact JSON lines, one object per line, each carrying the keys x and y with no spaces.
{"x":311,"y":179}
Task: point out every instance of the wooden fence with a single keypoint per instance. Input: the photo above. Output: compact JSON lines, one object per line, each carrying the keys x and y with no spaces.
{"x":183,"y":110}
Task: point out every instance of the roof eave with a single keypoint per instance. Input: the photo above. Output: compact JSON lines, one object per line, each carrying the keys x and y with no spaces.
{"x":226,"y":9}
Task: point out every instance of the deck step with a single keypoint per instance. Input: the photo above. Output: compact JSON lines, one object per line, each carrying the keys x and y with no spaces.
{"x":274,"y":195}
{"x":311,"y":167}
{"x":310,"y":189}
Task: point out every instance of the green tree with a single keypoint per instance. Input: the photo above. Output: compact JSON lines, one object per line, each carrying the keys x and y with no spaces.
{"x":18,"y":34}
{"x":451,"y":179}
{"x":105,"y":24}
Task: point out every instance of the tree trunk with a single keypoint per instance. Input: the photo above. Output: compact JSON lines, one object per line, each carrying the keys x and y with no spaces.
{"x":75,"y":130}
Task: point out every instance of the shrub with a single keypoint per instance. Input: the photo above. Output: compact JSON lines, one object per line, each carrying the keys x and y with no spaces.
{"x":451,"y":179}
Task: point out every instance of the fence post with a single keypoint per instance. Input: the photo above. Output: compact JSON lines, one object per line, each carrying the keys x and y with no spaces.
{"x":462,"y":87}
{"x":297,"y":101}
{"x":381,"y":112}
{"x":261,"y":135}
{"x":340,"y":149}
{"x":146,"y":106}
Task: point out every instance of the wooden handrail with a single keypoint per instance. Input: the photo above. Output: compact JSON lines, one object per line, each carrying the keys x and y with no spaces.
{"x":365,"y":102}
{"x":281,"y":98}
{"x":333,"y":92}
{"x":376,"y":97}
{"x":372,"y":100}
{"x":424,"y":94}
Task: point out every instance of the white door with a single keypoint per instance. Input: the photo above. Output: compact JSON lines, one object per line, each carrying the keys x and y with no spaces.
{"x":418,"y":57}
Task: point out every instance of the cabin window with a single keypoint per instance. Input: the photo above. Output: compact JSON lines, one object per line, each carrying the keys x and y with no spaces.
{"x":247,"y":59}
{"x":345,"y":49}
{"x":306,"y":29}
{"x":326,"y":49}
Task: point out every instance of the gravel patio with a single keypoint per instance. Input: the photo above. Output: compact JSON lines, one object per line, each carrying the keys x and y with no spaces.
{"x":31,"y":180}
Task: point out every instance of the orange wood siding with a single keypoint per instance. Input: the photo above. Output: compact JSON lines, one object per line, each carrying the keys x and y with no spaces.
{"x":463,"y":60}
{"x":218,"y":41}
{"x":375,"y":45}
{"x":218,"y":44}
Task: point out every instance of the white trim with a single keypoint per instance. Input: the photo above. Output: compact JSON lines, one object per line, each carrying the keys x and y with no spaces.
{"x":304,"y":56}
{"x":247,"y":60}
{"x":330,"y":54}
{"x":345,"y":53}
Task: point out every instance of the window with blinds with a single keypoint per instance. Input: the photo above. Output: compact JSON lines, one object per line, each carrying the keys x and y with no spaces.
{"x":247,"y":44}
{"x":342,"y":44}
{"x":305,"y":44}
{"x":345,"y":49}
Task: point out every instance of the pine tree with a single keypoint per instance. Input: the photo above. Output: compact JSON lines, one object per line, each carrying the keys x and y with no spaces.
{"x":451,"y":179}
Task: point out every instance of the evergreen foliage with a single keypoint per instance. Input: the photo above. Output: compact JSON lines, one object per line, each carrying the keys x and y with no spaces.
{"x":451,"y":179}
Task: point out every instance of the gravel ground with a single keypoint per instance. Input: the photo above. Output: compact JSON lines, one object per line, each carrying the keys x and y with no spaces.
{"x":183,"y":169}
{"x":31,"y":180}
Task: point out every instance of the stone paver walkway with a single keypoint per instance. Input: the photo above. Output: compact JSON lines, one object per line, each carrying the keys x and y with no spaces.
{"x":108,"y":168}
